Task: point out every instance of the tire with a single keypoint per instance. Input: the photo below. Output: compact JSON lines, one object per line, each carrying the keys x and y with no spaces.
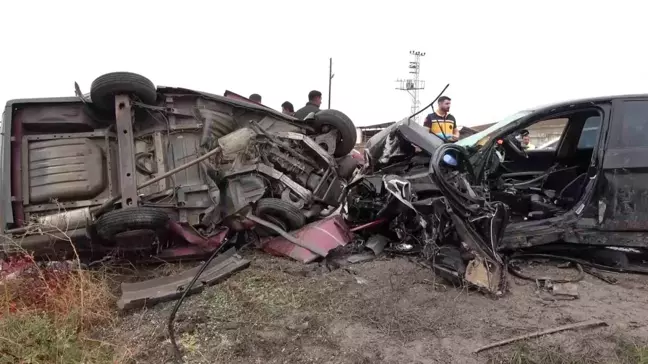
{"x":134,"y":218}
{"x":347,"y":134}
{"x":104,"y":89}
{"x":346,"y":166}
{"x":282,"y":210}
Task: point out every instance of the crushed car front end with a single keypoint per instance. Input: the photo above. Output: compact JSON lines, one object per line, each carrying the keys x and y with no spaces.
{"x":431,"y":203}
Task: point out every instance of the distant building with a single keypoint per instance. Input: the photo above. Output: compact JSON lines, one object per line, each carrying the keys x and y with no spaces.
{"x":540,"y":133}
{"x":465,"y":131}
{"x":366,"y":132}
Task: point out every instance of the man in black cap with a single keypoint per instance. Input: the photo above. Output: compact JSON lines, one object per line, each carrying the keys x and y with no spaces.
{"x":526,"y":140}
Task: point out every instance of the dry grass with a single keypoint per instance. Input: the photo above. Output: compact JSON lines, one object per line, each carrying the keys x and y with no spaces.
{"x":622,"y":350}
{"x":259,"y":312}
{"x":49,"y":313}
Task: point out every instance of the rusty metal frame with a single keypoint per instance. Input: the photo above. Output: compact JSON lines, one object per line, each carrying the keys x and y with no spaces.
{"x":163,"y":129}
{"x":109,"y":169}
{"x":125,"y":140}
{"x":95,"y":134}
{"x":160,"y":155}
{"x":66,"y":205}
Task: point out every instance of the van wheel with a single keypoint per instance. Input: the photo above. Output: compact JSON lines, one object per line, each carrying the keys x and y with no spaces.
{"x":104,"y":89}
{"x":136,"y":218}
{"x":347,"y":134}
{"x":281,"y":213}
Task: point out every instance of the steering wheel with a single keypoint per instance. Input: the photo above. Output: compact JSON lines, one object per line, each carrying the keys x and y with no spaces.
{"x":516,"y":146}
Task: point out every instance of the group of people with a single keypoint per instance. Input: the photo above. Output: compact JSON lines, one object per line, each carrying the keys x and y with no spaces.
{"x":440,"y":122}
{"x":313,"y":105}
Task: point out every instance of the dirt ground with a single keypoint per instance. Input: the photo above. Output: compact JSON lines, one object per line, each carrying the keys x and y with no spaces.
{"x":390,"y":310}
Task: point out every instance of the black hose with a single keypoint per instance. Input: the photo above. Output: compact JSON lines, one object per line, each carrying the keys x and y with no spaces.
{"x":518,"y":273}
{"x":176,"y":350}
{"x":432,"y":103}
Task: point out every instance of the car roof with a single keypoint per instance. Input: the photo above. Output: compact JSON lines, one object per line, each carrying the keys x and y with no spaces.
{"x":592,"y":100}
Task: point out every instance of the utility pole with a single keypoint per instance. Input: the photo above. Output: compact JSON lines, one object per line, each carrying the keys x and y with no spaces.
{"x":413,"y":85}
{"x":330,"y":80}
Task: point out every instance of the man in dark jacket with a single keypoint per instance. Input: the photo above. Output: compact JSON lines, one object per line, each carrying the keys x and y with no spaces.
{"x":313,"y":105}
{"x":287,"y":108}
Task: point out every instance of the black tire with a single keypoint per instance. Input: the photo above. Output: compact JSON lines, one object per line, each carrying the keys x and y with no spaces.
{"x":346,"y":166}
{"x":134,"y":218}
{"x":288,"y":213}
{"x":104,"y":89}
{"x":347,"y":134}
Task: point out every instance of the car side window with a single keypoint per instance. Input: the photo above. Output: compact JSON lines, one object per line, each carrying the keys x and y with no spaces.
{"x":545,"y":134}
{"x":633,"y":130}
{"x":589,"y":135}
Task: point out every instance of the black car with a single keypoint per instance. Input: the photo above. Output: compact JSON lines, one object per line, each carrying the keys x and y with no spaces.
{"x":485,"y":197}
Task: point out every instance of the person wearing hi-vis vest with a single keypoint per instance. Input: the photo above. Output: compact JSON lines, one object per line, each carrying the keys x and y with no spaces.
{"x":441,"y":122}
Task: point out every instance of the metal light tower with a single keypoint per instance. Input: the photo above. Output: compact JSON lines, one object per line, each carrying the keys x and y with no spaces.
{"x":413,"y":85}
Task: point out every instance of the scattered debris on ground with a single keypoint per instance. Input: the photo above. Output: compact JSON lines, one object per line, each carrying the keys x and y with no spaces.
{"x":576,"y":326}
{"x":278,"y":310}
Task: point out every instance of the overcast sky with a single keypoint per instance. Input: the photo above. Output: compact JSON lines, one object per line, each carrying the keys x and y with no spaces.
{"x":498,"y":56}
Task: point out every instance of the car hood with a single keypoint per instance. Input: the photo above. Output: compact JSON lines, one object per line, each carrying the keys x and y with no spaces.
{"x":399,"y":141}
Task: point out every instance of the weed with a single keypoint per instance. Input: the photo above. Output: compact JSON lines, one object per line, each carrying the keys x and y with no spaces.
{"x":50,"y":310}
{"x":625,"y":351}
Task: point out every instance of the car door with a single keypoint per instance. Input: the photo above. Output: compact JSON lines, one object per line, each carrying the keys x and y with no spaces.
{"x":623,"y":199}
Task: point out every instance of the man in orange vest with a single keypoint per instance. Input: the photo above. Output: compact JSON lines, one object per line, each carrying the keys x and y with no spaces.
{"x":441,"y":123}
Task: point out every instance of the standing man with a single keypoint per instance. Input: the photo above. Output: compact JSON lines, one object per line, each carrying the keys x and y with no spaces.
{"x":255,"y":98}
{"x":313,"y":105}
{"x":441,"y":123}
{"x":288,"y":108}
{"x":526,"y":140}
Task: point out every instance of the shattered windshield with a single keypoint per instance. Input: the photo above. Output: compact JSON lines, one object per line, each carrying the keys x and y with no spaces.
{"x":485,"y":135}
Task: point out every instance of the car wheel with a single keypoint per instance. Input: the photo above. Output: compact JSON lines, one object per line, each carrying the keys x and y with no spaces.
{"x":347,"y":134}
{"x":136,"y":218}
{"x":104,"y":89}
{"x":274,"y":209}
{"x":346,"y":166}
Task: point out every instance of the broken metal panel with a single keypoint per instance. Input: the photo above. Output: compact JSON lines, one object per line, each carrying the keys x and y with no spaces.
{"x":162,"y":289}
{"x":208,"y":243}
{"x":323,"y":236}
{"x":484,"y":275}
{"x":625,"y":197}
{"x":243,"y":190}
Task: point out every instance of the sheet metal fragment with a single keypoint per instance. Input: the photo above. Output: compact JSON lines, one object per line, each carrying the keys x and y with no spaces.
{"x":152,"y":291}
